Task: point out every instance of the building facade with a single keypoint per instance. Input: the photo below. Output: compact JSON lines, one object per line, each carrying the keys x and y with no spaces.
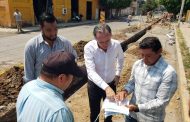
{"x":31,"y":10}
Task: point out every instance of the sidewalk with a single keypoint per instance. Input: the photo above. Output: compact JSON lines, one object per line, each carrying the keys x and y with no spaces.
{"x":185,"y":29}
{"x":37,"y":28}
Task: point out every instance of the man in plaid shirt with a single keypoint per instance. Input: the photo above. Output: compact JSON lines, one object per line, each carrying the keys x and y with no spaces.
{"x":153,"y":82}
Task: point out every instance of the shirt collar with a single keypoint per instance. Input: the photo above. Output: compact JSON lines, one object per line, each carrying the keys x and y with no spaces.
{"x":156,"y":65}
{"x":159,"y":62}
{"x":41,"y":39}
{"x":49,"y":86}
{"x":97,"y":47}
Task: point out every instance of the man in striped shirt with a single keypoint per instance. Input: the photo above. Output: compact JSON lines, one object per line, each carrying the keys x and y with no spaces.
{"x":39,"y":47}
{"x":41,"y":100}
{"x":153,"y":82}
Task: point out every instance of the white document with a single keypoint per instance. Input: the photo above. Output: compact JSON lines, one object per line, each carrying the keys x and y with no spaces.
{"x":113,"y":107}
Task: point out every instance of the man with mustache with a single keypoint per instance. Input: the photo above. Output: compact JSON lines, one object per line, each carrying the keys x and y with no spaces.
{"x":152,"y":84}
{"x":39,"y":47}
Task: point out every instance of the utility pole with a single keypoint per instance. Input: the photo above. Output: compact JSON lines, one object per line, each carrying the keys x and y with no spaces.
{"x":181,"y":12}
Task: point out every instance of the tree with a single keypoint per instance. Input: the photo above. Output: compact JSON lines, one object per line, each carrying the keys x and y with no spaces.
{"x":115,"y":4}
{"x":173,"y":6}
{"x":149,"y":6}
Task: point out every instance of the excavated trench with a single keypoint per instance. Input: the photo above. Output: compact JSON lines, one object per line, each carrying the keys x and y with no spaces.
{"x":11,"y":80}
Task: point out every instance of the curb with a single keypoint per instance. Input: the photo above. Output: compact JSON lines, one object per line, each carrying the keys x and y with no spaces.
{"x":61,"y":25}
{"x":182,"y":84}
{"x":65,"y":25}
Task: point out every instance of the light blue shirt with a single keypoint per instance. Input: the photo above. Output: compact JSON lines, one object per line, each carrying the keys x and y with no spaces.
{"x":39,"y":101}
{"x":152,"y":88}
{"x":36,"y":50}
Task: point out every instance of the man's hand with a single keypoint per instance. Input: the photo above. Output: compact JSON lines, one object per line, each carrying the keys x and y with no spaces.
{"x":121,"y":95}
{"x":110,"y":94}
{"x":133,"y":108}
{"x":116,"y":79}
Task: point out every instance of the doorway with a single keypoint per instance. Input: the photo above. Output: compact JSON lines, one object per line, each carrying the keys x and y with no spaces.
{"x":41,"y":6}
{"x":74,"y":8}
{"x":89,"y":10}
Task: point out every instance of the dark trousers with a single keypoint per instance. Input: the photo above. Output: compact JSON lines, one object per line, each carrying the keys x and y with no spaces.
{"x":131,"y":119}
{"x":95,"y":94}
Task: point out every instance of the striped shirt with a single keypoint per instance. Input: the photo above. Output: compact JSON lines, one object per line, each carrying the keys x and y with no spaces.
{"x":103,"y":66}
{"x":152,"y":87}
{"x":36,"y":50}
{"x":39,"y":101}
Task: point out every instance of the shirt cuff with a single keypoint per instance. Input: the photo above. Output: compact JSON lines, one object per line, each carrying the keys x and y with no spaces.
{"x":128,"y":90}
{"x":104,"y":85}
{"x":141,"y":107}
{"x":117,"y":73}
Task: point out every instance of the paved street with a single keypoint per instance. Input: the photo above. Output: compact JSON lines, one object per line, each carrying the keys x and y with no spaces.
{"x":12,"y":45}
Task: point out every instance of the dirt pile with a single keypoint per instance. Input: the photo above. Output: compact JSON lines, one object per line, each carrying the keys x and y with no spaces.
{"x":79,"y":47}
{"x":132,"y":29}
{"x":10,"y":85}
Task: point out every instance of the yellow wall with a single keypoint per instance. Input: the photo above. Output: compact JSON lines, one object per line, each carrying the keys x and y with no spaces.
{"x":188,"y":16}
{"x":26,"y":9}
{"x":4,"y":13}
{"x":82,"y":8}
{"x":8,"y":7}
{"x":58,"y":5}
{"x":94,"y":7}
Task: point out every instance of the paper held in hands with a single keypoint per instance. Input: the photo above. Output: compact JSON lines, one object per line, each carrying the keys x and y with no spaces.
{"x":113,"y":107}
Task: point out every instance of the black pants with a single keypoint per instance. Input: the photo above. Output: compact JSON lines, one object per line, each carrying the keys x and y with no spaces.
{"x":95,"y":94}
{"x":131,"y":119}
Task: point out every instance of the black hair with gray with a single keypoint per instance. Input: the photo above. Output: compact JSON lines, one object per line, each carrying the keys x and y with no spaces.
{"x":150,"y":42}
{"x":104,"y":28}
{"x":50,"y":75}
{"x":47,"y":17}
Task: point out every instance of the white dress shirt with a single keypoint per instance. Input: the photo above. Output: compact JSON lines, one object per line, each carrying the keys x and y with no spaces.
{"x":103,"y":66}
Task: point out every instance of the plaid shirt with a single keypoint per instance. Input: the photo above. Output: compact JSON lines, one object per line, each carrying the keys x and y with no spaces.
{"x":152,"y":87}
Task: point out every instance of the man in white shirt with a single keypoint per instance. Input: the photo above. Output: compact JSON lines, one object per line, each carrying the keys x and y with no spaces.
{"x":104,"y":61}
{"x":18,"y":19}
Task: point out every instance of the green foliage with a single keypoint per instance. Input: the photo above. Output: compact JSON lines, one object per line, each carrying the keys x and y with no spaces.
{"x":173,"y":6}
{"x":149,"y":5}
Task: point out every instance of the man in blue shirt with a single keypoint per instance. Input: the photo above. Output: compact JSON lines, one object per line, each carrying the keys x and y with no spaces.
{"x":153,"y":82}
{"x":41,"y":100}
{"x":39,"y":47}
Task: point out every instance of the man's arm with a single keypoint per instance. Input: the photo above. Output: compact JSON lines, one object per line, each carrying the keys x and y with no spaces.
{"x":130,"y":86}
{"x":120,"y":60}
{"x":90,"y":66}
{"x":29,"y":62}
{"x":63,"y":115}
{"x":165,"y":92}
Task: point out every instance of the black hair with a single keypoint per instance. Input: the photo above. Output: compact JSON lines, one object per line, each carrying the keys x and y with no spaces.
{"x":150,"y":42}
{"x":50,"y":75}
{"x":47,"y":17}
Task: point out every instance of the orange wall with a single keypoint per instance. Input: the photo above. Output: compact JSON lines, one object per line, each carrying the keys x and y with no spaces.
{"x":4,"y":13}
{"x":7,"y":8}
{"x":58,"y":5}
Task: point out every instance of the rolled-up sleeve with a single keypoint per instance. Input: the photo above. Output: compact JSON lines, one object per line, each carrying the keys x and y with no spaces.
{"x":90,"y":66}
{"x":120,"y":60}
